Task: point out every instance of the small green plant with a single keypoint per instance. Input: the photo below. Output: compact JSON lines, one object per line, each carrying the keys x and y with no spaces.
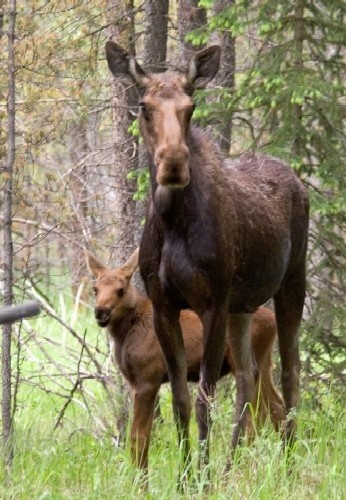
{"x":141,"y":175}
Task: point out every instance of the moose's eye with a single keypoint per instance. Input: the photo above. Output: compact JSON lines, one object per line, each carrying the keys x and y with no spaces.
{"x":188,"y":111}
{"x":144,"y":110}
{"x":120,"y":292}
{"x":95,"y":290}
{"x":192,"y":109}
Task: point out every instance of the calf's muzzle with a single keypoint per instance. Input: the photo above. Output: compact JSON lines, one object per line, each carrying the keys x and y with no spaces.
{"x":102,"y":315}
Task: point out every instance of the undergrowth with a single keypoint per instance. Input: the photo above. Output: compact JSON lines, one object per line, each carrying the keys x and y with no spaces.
{"x":78,"y":459}
{"x":72,"y":462}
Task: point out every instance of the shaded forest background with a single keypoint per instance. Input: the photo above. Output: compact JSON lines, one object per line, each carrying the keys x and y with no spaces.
{"x":78,"y":176}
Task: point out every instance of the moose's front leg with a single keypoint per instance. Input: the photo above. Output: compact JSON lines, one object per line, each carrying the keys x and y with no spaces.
{"x":168,"y":331}
{"x":214,"y":334}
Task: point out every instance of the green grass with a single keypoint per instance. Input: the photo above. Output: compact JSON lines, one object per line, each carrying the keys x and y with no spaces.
{"x":72,"y":462}
{"x":80,"y":461}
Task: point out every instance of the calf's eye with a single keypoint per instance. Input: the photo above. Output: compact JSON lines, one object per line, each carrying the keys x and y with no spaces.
{"x":120,"y":292}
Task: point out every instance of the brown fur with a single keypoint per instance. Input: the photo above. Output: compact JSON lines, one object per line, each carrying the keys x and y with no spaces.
{"x":138,"y":354}
{"x":218,"y":240}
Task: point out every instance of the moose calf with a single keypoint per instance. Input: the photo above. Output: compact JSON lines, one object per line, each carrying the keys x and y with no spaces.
{"x":128,"y":316}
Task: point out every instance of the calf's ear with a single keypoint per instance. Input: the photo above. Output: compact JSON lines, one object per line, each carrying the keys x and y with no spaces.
{"x":203,"y":66}
{"x":124,"y":66}
{"x":94,"y":265}
{"x":131,"y":264}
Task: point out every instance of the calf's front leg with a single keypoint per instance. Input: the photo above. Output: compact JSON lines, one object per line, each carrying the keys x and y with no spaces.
{"x":143,"y":413}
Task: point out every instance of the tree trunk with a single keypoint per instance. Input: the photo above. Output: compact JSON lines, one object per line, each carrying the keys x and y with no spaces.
{"x":121,"y":15}
{"x":190,"y":17}
{"x":155,"y":35}
{"x":225,"y":76}
{"x":125,"y":158}
{"x":297,"y":146}
{"x":78,"y":146}
{"x":153,"y":54}
{"x":7,"y":245}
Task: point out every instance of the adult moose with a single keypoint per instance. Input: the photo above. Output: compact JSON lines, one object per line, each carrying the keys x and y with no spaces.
{"x":220,"y":240}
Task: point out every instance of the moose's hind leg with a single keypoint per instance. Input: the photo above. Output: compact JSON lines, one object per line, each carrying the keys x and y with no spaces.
{"x":245,"y":371}
{"x":289,"y":303}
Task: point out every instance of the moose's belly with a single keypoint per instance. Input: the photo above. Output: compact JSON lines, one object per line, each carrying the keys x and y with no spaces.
{"x":191,"y":282}
{"x":258,"y":279}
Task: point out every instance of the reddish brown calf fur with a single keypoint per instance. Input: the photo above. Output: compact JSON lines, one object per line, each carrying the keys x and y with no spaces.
{"x":128,"y":316}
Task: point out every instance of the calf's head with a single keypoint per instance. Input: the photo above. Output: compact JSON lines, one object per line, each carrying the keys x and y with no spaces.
{"x":166,"y":107}
{"x":114,"y":294}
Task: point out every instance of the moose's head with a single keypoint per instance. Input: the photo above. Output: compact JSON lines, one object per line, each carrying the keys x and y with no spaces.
{"x":166,"y":107}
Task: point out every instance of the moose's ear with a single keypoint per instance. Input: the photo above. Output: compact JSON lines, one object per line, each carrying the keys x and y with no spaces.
{"x":94,"y":266}
{"x":124,"y":66}
{"x":203,"y":66}
{"x":131,"y":264}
